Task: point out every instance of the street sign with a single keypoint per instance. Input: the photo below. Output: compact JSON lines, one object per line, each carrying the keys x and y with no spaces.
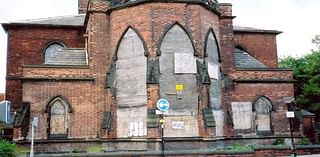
{"x":290,"y":114}
{"x":163,"y":104}
{"x":35,"y":122}
{"x":158,"y":112}
{"x":5,"y":112}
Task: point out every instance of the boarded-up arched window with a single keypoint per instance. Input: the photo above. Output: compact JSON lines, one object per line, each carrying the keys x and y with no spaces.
{"x":178,"y":83}
{"x":51,"y":51}
{"x":263,"y":108}
{"x":214,"y":71}
{"x":131,"y":87}
{"x":178,"y":66}
{"x":215,"y":75}
{"x":58,"y":118}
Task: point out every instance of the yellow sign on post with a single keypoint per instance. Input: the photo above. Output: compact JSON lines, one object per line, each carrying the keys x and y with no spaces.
{"x":179,"y":87}
{"x":161,"y":121}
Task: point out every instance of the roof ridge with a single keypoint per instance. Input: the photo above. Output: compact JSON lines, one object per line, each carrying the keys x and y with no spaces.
{"x":46,"y":18}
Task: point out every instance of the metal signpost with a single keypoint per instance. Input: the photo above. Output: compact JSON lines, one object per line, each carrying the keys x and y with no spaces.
{"x":35,"y":123}
{"x":290,"y":116}
{"x":163,"y":106}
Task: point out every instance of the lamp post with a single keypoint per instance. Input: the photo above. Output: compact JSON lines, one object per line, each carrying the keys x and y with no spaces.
{"x":290,"y":116}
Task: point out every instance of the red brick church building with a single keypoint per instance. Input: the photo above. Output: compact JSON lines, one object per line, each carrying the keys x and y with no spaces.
{"x":95,"y":78}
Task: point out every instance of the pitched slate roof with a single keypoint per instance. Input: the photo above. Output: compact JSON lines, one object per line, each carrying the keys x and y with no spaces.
{"x":73,"y":20}
{"x":244,"y":60}
{"x":254,"y":30}
{"x":68,"y":56}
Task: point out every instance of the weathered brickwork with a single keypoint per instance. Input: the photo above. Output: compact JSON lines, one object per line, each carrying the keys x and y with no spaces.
{"x":1,"y":96}
{"x":84,"y":88}
{"x":153,"y":20}
{"x":82,"y":6}
{"x":26,"y":46}
{"x":162,"y":16}
{"x":250,"y":92}
{"x":262,"y":75}
{"x":85,"y":118}
{"x":226,"y":38}
{"x":266,"y":52}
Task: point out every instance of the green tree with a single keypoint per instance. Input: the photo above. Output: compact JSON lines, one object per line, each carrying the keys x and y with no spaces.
{"x":306,"y":70}
{"x":7,"y":149}
{"x":316,"y":41}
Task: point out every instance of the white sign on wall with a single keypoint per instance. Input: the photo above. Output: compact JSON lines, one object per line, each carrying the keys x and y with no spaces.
{"x":213,"y":70}
{"x":290,"y":114}
{"x":136,"y":129}
{"x":185,"y":63}
{"x":177,"y":124}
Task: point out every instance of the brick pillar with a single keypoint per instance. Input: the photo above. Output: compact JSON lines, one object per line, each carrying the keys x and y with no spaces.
{"x":227,"y":60}
{"x":82,"y":6}
{"x":98,"y":46}
{"x":226,"y":37}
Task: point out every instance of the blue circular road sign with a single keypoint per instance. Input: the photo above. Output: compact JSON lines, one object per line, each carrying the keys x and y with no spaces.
{"x":163,"y":104}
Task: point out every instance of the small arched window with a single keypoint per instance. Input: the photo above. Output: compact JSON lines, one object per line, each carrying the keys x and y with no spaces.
{"x":58,"y":118}
{"x":263,"y":108}
{"x":51,"y":51}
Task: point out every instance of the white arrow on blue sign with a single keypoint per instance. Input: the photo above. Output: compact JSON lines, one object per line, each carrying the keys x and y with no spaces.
{"x":163,"y":104}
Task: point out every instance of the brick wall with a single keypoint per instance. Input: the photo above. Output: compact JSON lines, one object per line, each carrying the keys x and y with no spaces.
{"x":194,"y":18}
{"x":80,"y":148}
{"x":84,"y":121}
{"x":262,"y":46}
{"x":90,"y":99}
{"x":82,"y":6}
{"x":1,"y":96}
{"x":163,"y":15}
{"x":250,"y":92}
{"x":227,"y":58}
{"x":26,"y":46}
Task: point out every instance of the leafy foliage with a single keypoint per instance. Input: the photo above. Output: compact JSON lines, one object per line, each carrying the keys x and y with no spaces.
{"x":316,"y":41}
{"x":7,"y":149}
{"x":278,"y":142}
{"x":306,"y":70}
{"x":238,"y":147}
{"x":305,"y":141}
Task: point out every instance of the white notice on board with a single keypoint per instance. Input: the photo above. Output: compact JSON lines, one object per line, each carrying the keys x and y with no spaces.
{"x":213,"y":70}
{"x":185,"y":63}
{"x":177,"y":124}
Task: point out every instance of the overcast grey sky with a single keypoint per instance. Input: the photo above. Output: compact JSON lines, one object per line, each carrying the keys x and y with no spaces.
{"x":298,"y":19}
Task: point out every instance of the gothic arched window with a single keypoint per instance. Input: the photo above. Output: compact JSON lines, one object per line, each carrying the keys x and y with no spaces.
{"x":178,"y":82}
{"x":58,"y":118}
{"x":51,"y":50}
{"x":263,"y":108}
{"x":213,"y":66}
{"x":130,"y":84}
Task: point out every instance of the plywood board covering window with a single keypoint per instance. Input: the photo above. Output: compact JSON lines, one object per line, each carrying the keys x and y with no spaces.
{"x":178,"y":66}
{"x":131,"y":87}
{"x":213,"y":67}
{"x":241,"y":115}
{"x":263,"y":110}
{"x":58,"y":118}
{"x":178,"y":69}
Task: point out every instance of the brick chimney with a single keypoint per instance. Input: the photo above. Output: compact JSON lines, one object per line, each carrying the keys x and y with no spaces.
{"x":82,"y":6}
